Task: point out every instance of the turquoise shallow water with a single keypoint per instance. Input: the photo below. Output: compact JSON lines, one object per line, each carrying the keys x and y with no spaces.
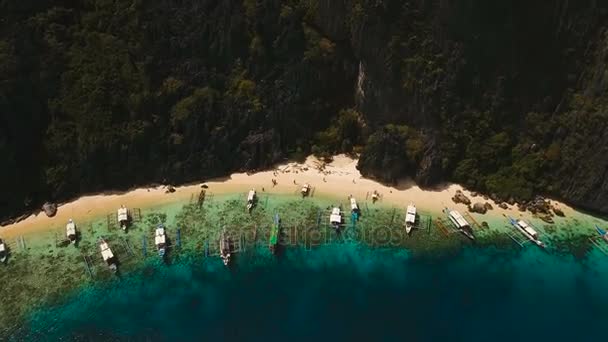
{"x":345,"y":292}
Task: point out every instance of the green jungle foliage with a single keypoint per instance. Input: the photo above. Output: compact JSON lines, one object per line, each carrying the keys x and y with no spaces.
{"x":109,"y":94}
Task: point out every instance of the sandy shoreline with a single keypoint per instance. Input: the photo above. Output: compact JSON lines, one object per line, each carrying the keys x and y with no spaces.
{"x":338,"y":179}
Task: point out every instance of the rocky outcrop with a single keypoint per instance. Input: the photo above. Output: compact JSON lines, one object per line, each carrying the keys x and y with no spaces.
{"x":581,"y":177}
{"x":429,"y":169}
{"x":459,"y":197}
{"x":50,"y":209}
{"x":479,"y":208}
{"x":539,"y":206}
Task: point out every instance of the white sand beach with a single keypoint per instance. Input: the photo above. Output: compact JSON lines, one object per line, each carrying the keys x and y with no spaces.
{"x":339,"y":179}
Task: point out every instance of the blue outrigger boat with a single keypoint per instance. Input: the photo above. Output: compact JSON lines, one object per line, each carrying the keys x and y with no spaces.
{"x":603,"y":235}
{"x":527,"y":230}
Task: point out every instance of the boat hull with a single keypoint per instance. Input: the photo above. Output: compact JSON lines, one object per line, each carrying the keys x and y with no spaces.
{"x":408,"y":228}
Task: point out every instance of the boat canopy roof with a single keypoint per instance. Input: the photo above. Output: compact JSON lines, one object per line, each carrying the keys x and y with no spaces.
{"x":251,"y":195}
{"x":70,"y":228}
{"x":123,"y":214}
{"x":410,"y":214}
{"x":335,"y":216}
{"x":159,"y":239}
{"x":458,"y":219}
{"x":106,"y":252}
{"x":305,"y":187}
{"x":2,"y":247}
{"x":353,"y":204}
{"x":525,"y":226}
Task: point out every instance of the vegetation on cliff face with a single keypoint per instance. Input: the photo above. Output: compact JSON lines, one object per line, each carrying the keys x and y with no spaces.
{"x":503,"y":96}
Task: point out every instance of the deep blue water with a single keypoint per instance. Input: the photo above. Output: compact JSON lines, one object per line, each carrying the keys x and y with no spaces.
{"x":343,"y":292}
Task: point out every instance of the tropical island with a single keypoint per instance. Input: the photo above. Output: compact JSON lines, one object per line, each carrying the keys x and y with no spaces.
{"x":150,"y":144}
{"x":116,"y":94}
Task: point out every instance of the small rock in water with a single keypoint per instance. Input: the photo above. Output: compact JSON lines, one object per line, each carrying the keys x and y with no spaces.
{"x":485,"y":225}
{"x":50,"y":209}
{"x":488,"y":206}
{"x":474,"y":194}
{"x":503,"y":205}
{"x":170,"y":189}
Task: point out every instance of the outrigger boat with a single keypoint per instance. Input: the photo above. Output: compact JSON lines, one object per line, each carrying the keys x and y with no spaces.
{"x":460,"y":223}
{"x":375,"y":196}
{"x":3,"y":251}
{"x":107,"y":255}
{"x":354,"y":209}
{"x":123,"y":217}
{"x":527,"y":230}
{"x":251,"y":197}
{"x":160,"y":240}
{"x":335,"y":218}
{"x":275,"y":233}
{"x":70,"y":231}
{"x":410,"y":218}
{"x":602,"y":233}
{"x":225,"y":248}
{"x":305,"y":190}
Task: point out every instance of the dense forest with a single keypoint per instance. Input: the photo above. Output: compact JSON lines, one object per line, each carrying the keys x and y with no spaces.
{"x":507,"y":97}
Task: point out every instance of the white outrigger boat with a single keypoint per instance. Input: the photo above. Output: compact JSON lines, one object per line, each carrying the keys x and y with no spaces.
{"x":160,"y":240}
{"x":410,"y":218}
{"x":527,"y":230}
{"x":70,"y":231}
{"x":251,"y":198}
{"x":3,"y":251}
{"x":305,"y":190}
{"x":335,"y":218}
{"x":107,"y":255}
{"x":225,"y":249}
{"x":460,"y":223}
{"x":354,"y":207}
{"x":123,"y":217}
{"x":375,"y":196}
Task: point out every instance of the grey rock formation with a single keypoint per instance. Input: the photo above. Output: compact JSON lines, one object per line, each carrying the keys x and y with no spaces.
{"x":50,"y":209}
{"x":478,"y":207}
{"x":459,"y":197}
